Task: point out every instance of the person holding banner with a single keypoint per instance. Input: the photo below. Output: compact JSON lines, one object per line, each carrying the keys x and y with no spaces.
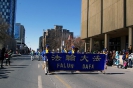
{"x":45,"y":59}
{"x":45,"y":65}
{"x":64,"y":50}
{"x":105,"y":66}
{"x":72,"y":51}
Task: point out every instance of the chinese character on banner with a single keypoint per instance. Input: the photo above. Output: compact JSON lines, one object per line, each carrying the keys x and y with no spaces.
{"x":56,"y":58}
{"x":96,"y":58}
{"x":84,"y":58}
{"x":70,"y":57}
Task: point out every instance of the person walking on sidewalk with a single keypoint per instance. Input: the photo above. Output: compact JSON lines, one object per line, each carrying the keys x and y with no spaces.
{"x":9,"y":57}
{"x":117,"y":59}
{"x":2,"y":56}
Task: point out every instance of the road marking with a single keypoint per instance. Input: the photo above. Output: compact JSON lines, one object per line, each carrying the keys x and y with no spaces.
{"x":67,"y":86}
{"x":38,"y":65}
{"x":39,"y":82}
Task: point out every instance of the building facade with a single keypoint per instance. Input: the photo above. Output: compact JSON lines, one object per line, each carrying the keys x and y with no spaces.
{"x":40,"y":43}
{"x":5,"y":40}
{"x":8,"y":12}
{"x":108,"y":22}
{"x":19,"y":35}
{"x":56,"y":37}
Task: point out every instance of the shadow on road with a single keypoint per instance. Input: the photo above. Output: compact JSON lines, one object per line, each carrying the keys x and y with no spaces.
{"x":20,"y":58}
{"x":94,"y":73}
{"x":19,"y":65}
{"x":4,"y":72}
{"x":113,"y":73}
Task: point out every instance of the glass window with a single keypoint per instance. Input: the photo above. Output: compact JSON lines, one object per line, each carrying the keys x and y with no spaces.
{"x":3,"y":3}
{"x":4,"y":13}
{"x":6,"y":17}
{"x":7,"y":4}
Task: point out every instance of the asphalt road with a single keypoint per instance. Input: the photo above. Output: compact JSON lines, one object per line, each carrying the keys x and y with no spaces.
{"x":24,"y":73}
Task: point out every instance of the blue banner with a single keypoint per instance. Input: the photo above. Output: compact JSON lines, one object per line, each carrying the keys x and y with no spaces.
{"x":74,"y":62}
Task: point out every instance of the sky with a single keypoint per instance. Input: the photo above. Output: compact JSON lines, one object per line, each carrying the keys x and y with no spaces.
{"x":37,"y":15}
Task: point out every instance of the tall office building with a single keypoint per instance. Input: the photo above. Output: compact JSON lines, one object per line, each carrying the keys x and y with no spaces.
{"x":109,"y":22}
{"x":19,"y":33}
{"x":8,"y":12}
{"x":40,"y":43}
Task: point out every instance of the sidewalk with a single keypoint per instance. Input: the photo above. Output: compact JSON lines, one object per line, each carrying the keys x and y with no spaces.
{"x":121,"y":68}
{"x":14,"y":55}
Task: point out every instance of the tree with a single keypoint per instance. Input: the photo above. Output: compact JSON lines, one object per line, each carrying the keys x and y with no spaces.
{"x":3,"y":34}
{"x":79,"y":43}
{"x":3,"y":28}
{"x":53,"y":39}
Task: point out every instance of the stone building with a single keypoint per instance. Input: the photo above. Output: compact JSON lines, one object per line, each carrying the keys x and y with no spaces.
{"x":56,"y":37}
{"x":109,"y":22}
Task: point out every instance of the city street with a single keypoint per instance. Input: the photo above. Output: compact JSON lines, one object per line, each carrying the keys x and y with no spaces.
{"x":24,"y":73}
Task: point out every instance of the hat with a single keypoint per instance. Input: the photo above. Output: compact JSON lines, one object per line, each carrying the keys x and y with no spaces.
{"x":72,"y":46}
{"x":47,"y":46}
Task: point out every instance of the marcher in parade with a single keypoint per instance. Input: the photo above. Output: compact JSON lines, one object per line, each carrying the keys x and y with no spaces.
{"x":72,"y":50}
{"x":45,"y":59}
{"x":45,"y":65}
{"x":39,"y":55}
{"x":36,"y":54}
{"x":64,"y":50}
{"x":105,"y":52}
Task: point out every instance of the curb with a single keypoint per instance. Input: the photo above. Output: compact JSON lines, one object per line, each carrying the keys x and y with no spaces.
{"x":15,"y":55}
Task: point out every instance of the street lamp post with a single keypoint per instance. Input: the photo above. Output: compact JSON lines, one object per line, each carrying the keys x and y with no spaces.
{"x":61,"y":39}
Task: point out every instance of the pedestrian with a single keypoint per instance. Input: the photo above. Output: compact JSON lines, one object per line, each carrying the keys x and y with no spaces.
{"x":130,"y":49}
{"x":113,"y":57}
{"x":32,"y":55}
{"x":2,"y":56}
{"x":117,"y":59}
{"x":7,"y":57}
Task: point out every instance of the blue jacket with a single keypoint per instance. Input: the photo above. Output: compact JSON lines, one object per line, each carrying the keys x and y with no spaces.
{"x":44,"y":57}
{"x":63,"y":51}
